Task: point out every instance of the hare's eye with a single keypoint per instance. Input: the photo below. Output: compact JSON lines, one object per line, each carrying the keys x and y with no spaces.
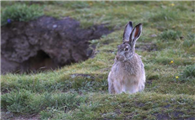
{"x":126,"y":48}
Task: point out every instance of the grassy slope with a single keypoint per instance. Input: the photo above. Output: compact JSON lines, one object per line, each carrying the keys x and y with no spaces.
{"x":79,"y":91}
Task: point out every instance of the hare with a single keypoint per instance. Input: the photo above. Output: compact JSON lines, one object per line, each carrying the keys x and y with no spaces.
{"x":127,"y":73}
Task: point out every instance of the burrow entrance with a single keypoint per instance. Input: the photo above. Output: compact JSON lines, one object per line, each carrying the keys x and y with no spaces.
{"x":39,"y":62}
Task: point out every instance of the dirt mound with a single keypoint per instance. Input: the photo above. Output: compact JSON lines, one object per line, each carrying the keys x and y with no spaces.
{"x":46,"y":43}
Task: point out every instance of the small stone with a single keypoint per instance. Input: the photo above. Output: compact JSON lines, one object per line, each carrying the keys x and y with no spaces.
{"x":153,"y":35}
{"x":8,"y":112}
{"x":73,"y":76}
{"x":54,"y":26}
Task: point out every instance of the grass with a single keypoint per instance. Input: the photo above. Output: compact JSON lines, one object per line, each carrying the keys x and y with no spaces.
{"x":188,"y":73}
{"x":18,"y":101}
{"x":170,"y":35}
{"x":20,"y":12}
{"x":79,"y":91}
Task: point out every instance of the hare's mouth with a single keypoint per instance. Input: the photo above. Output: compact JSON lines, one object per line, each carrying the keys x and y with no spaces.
{"x":120,"y":57}
{"x":124,"y":57}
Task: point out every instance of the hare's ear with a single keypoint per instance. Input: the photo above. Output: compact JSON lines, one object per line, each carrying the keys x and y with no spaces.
{"x":127,"y":31}
{"x":135,"y":34}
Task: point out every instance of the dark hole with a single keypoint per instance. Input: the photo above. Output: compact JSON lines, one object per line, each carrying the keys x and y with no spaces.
{"x":40,"y":62}
{"x":42,"y":55}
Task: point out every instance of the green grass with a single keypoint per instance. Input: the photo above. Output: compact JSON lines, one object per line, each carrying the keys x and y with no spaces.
{"x":79,"y":91}
{"x":20,"y":12}
{"x":170,"y":35}
{"x":24,"y":101}
{"x":188,"y":73}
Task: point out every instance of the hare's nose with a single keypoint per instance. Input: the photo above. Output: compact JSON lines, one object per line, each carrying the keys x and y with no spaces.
{"x":117,"y":57}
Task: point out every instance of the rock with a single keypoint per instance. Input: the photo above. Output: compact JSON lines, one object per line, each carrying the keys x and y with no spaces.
{"x":46,"y":43}
{"x":153,"y":35}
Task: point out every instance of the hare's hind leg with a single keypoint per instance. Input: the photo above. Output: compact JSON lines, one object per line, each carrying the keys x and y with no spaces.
{"x":142,"y":82}
{"x":111,"y":89}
